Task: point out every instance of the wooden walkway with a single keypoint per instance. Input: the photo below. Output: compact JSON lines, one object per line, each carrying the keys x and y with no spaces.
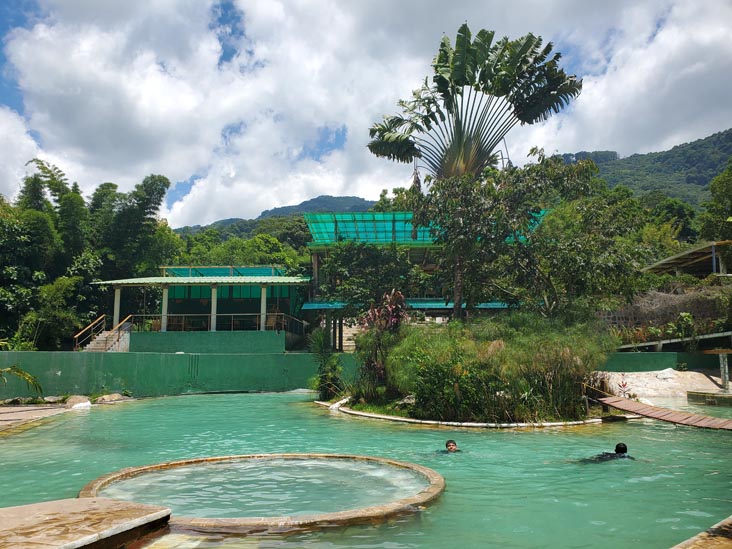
{"x":664,"y":414}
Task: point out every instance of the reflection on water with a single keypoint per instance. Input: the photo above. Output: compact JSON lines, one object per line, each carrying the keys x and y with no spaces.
{"x":505,"y":489}
{"x":680,"y":403}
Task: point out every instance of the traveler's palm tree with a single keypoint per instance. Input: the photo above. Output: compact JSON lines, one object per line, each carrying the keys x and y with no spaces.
{"x":480,"y":90}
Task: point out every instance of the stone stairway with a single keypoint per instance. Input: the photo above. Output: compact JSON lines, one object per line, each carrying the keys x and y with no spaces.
{"x":349,"y":343}
{"x":105,"y":342}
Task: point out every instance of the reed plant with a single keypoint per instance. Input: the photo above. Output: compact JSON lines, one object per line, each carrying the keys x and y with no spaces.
{"x":518,"y":367}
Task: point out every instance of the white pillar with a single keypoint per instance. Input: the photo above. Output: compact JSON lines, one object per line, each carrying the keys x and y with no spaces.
{"x":117,"y":296}
{"x":164,"y":311}
{"x":263,"y":309}
{"x":214,"y":305}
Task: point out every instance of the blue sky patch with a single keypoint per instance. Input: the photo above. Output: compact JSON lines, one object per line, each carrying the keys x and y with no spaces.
{"x":328,"y":140}
{"x":13,"y":14}
{"x":179,"y":190}
{"x":228,"y":23}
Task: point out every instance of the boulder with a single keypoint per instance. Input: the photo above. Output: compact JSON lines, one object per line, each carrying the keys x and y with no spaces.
{"x":112,"y":397}
{"x":77,"y":401}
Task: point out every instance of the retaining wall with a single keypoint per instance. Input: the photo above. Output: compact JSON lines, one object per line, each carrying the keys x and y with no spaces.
{"x":649,"y":362}
{"x":158,"y":374}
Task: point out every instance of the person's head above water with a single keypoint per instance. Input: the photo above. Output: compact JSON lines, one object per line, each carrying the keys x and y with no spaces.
{"x":451,"y":446}
{"x":621,"y":448}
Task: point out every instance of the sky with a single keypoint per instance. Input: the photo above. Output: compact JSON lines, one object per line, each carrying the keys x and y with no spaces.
{"x":247,"y":105}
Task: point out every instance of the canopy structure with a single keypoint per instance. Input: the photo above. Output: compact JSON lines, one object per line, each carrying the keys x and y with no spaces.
{"x":202,"y":287}
{"x":701,"y":260}
{"x":369,"y":227}
{"x":376,"y":228}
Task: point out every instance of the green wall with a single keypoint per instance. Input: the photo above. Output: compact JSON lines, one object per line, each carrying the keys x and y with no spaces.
{"x":245,"y":342}
{"x":649,"y":362}
{"x":157,"y":374}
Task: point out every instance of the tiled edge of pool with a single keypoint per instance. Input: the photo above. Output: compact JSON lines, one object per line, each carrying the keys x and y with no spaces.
{"x":719,"y":535}
{"x":340,"y":407}
{"x":248,"y":525}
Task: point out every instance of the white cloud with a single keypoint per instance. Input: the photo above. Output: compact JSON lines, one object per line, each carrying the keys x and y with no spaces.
{"x":117,"y":90}
{"x":17,"y":148}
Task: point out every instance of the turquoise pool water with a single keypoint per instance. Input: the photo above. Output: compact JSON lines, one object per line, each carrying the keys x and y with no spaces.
{"x":505,"y":489}
{"x":273,"y":488}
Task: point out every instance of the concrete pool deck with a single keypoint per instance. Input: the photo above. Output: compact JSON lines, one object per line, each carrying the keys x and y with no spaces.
{"x":71,"y":523}
{"x":12,"y":417}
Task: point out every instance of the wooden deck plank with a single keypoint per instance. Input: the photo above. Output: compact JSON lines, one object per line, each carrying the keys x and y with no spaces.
{"x":664,"y":414}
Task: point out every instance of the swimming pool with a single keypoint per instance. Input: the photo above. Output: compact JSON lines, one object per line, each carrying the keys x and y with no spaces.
{"x":505,"y":489}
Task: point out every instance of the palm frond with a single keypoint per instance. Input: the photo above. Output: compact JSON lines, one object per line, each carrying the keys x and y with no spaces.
{"x":30,"y":379}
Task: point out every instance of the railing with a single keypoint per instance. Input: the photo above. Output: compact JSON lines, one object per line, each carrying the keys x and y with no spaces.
{"x":224,"y":323}
{"x":113,"y":339}
{"x":90,"y":332}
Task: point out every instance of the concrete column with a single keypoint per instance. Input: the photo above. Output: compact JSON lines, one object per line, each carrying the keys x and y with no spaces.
{"x":724,"y":372}
{"x":164,"y":311}
{"x":214,"y":306}
{"x":117,"y":297}
{"x":263,"y":309}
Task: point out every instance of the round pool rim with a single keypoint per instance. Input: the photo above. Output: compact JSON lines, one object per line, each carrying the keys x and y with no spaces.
{"x":371,"y":514}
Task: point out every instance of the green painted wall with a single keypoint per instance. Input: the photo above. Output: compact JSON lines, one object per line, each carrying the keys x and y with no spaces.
{"x":247,"y":342}
{"x":649,"y":362}
{"x":157,"y":374}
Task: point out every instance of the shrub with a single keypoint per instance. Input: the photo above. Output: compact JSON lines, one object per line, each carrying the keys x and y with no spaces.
{"x":521,"y":368}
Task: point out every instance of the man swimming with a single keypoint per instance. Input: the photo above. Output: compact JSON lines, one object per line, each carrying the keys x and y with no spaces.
{"x":451,"y":446}
{"x":621,"y":452}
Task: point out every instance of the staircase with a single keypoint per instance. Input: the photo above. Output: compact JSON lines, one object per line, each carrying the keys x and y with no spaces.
{"x":109,"y":341}
{"x":349,"y":343}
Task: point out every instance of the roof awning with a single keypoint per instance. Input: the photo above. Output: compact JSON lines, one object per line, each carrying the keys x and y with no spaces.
{"x":701,"y":260}
{"x":209,"y":281}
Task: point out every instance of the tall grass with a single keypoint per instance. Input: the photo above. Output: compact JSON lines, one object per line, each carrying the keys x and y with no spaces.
{"x":515,"y":368}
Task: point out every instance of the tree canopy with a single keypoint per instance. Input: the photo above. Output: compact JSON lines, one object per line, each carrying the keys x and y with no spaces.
{"x":481,"y":88}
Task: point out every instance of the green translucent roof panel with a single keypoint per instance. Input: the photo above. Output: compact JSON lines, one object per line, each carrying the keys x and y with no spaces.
{"x":223,"y":270}
{"x":368,"y":227}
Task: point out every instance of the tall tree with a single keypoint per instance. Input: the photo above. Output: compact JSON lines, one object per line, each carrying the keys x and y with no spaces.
{"x":716,"y":220}
{"x":480,"y":90}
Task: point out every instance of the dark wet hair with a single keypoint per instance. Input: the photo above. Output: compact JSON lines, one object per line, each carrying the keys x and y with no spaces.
{"x":450,"y":442}
{"x":620,"y":448}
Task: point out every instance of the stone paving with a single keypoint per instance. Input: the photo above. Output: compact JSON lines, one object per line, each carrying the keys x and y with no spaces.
{"x":70,"y":523}
{"x":16,"y":416}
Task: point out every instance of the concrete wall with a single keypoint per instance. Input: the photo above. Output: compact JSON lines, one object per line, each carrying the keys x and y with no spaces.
{"x":649,"y":362}
{"x":157,"y":374}
{"x":208,"y":342}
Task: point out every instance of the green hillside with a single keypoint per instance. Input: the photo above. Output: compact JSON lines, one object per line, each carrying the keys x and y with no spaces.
{"x":245,"y":228}
{"x":683,"y":172}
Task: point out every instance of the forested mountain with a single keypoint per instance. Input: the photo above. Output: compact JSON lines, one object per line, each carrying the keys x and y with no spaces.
{"x":323,"y":203}
{"x":684,"y":172}
{"x":245,"y":227}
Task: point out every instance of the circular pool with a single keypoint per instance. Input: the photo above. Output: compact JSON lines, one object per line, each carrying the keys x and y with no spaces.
{"x":274,"y":492}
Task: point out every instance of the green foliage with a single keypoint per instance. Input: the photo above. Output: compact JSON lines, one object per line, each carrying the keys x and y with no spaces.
{"x":329,"y":380}
{"x":359,"y":274}
{"x":381,"y":331}
{"x":684,"y":172}
{"x":14,"y":370}
{"x":715,"y":224}
{"x":519,"y":368}
{"x":480,"y":90}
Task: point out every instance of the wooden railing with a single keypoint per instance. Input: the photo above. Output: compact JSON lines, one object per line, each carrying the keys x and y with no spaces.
{"x":90,"y":332}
